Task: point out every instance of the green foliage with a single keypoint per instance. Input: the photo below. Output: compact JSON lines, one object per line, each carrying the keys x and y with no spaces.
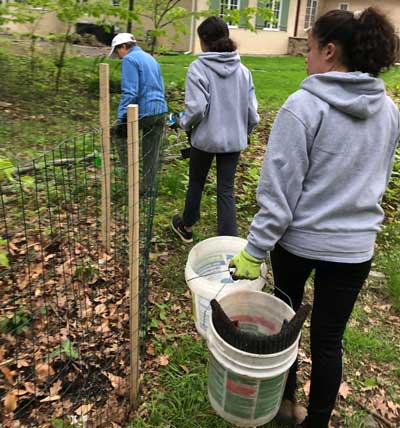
{"x":67,"y":349}
{"x":391,"y":200}
{"x":389,"y":259}
{"x":85,"y":272}
{"x":59,"y":423}
{"x":243,"y":16}
{"x":373,"y":343}
{"x":4,"y":262}
{"x":17,"y":323}
{"x":6,"y":169}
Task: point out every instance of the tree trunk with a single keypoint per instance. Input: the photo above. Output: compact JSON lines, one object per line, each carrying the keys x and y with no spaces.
{"x":153,"y":45}
{"x":60,"y":62}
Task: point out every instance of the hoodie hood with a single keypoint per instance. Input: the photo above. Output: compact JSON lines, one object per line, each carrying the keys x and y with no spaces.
{"x":356,"y":94}
{"x":222,"y":63}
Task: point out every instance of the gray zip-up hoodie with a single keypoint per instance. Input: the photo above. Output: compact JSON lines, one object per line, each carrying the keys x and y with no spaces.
{"x":221,"y":106}
{"x":329,"y":158}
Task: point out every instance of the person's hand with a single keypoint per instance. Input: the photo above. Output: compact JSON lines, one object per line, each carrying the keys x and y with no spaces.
{"x":246,"y":266}
{"x":174,"y":120}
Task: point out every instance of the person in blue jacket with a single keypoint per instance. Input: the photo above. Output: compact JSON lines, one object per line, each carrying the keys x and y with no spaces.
{"x":328,"y":162}
{"x":142,"y":84}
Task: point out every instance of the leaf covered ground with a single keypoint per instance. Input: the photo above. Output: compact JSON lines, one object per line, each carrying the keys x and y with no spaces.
{"x":174,"y":372}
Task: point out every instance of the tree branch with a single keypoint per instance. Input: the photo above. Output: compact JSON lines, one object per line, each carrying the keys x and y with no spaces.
{"x":375,"y":414}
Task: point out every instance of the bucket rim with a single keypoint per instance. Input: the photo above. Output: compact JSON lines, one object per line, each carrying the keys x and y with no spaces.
{"x":244,"y":353}
{"x":249,"y":354}
{"x":191,"y":276}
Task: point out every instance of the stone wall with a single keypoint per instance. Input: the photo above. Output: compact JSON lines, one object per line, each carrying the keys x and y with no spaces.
{"x":297,"y":46}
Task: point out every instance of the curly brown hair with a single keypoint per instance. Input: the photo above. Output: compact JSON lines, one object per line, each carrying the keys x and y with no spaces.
{"x":368,"y":41}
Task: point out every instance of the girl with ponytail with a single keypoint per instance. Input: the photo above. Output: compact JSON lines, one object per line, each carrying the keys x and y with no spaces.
{"x":329,"y":158}
{"x":220,"y":114}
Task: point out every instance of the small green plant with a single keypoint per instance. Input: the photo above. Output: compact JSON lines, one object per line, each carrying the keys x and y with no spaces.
{"x":85,"y":272}
{"x":393,"y":273}
{"x":16,"y":323}
{"x":67,"y":349}
{"x":4,"y":262}
{"x":60,"y":423}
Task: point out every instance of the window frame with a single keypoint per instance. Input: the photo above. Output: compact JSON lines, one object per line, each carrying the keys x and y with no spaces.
{"x":311,"y":8}
{"x":278,"y":20}
{"x":347,"y":4}
{"x":221,"y":15}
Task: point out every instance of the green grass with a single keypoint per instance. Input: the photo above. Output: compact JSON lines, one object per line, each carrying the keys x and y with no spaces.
{"x":179,"y":399}
{"x":358,"y":343}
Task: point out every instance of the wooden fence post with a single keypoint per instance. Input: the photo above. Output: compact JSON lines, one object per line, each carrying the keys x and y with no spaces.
{"x":133,"y":202}
{"x":105,"y":147}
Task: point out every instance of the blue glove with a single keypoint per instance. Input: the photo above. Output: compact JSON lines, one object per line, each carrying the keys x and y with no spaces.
{"x":174,"y":120}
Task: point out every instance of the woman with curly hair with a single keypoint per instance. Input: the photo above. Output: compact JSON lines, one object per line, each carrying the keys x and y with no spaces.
{"x":329,"y":158}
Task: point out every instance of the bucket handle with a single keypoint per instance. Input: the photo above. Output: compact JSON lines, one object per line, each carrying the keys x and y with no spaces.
{"x":268,"y":265}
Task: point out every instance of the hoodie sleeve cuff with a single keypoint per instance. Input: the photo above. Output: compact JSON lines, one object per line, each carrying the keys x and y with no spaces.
{"x":255,"y":251}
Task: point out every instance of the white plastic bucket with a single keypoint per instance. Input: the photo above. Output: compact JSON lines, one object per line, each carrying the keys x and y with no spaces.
{"x":208,"y":277}
{"x":246,"y":389}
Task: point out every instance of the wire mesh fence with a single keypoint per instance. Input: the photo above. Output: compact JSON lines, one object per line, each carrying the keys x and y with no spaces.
{"x":69,"y":295}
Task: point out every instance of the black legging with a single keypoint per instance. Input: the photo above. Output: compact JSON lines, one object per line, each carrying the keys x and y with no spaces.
{"x":200,"y":163}
{"x":336,"y":287}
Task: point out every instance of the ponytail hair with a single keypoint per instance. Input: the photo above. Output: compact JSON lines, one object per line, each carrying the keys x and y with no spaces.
{"x":367,"y":39}
{"x":214,"y":33}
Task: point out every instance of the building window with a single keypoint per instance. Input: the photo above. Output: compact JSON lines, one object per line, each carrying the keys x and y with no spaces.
{"x":311,"y":12}
{"x":226,"y":5}
{"x":273,"y":23}
{"x":344,"y":6}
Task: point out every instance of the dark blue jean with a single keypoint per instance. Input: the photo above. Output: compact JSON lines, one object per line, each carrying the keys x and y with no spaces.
{"x":336,"y":287}
{"x":200,"y":163}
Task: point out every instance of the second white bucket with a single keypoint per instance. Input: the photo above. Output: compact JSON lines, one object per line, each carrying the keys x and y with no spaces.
{"x":208,"y":277}
{"x":246,"y":389}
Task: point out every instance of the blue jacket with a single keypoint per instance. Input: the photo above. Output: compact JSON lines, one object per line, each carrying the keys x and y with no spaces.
{"x":141,"y":84}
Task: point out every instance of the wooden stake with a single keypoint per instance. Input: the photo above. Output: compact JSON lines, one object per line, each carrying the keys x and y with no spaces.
{"x":105,"y":147}
{"x":133,"y":198}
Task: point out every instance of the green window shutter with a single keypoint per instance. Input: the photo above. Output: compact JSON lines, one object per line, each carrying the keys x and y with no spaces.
{"x":260,"y":22}
{"x":283,"y":24}
{"x":214,"y":4}
{"x":243,"y":5}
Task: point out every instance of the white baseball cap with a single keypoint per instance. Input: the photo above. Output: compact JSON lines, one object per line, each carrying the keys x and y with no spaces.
{"x":120,"y":39}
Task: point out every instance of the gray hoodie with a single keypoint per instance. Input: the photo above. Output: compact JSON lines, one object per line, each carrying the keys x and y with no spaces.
{"x":221,"y":106}
{"x":329,"y":158}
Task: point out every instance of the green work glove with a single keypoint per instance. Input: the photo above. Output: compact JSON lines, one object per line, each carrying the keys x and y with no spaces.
{"x":247,"y":266}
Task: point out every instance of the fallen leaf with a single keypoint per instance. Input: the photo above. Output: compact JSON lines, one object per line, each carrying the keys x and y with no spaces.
{"x":184,"y":368}
{"x":116,"y":381}
{"x":306,"y":388}
{"x":50,"y":398}
{"x":30,"y":387}
{"x":8,"y":374}
{"x":162,"y":360}
{"x":55,"y":389}
{"x":344,"y":390}
{"x":22,"y":363}
{"x":367,"y":309}
{"x":84,"y":409}
{"x":10,"y":402}
{"x":150,"y":349}
{"x":44,"y":370}
{"x":19,"y":392}
{"x":100,"y":309}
